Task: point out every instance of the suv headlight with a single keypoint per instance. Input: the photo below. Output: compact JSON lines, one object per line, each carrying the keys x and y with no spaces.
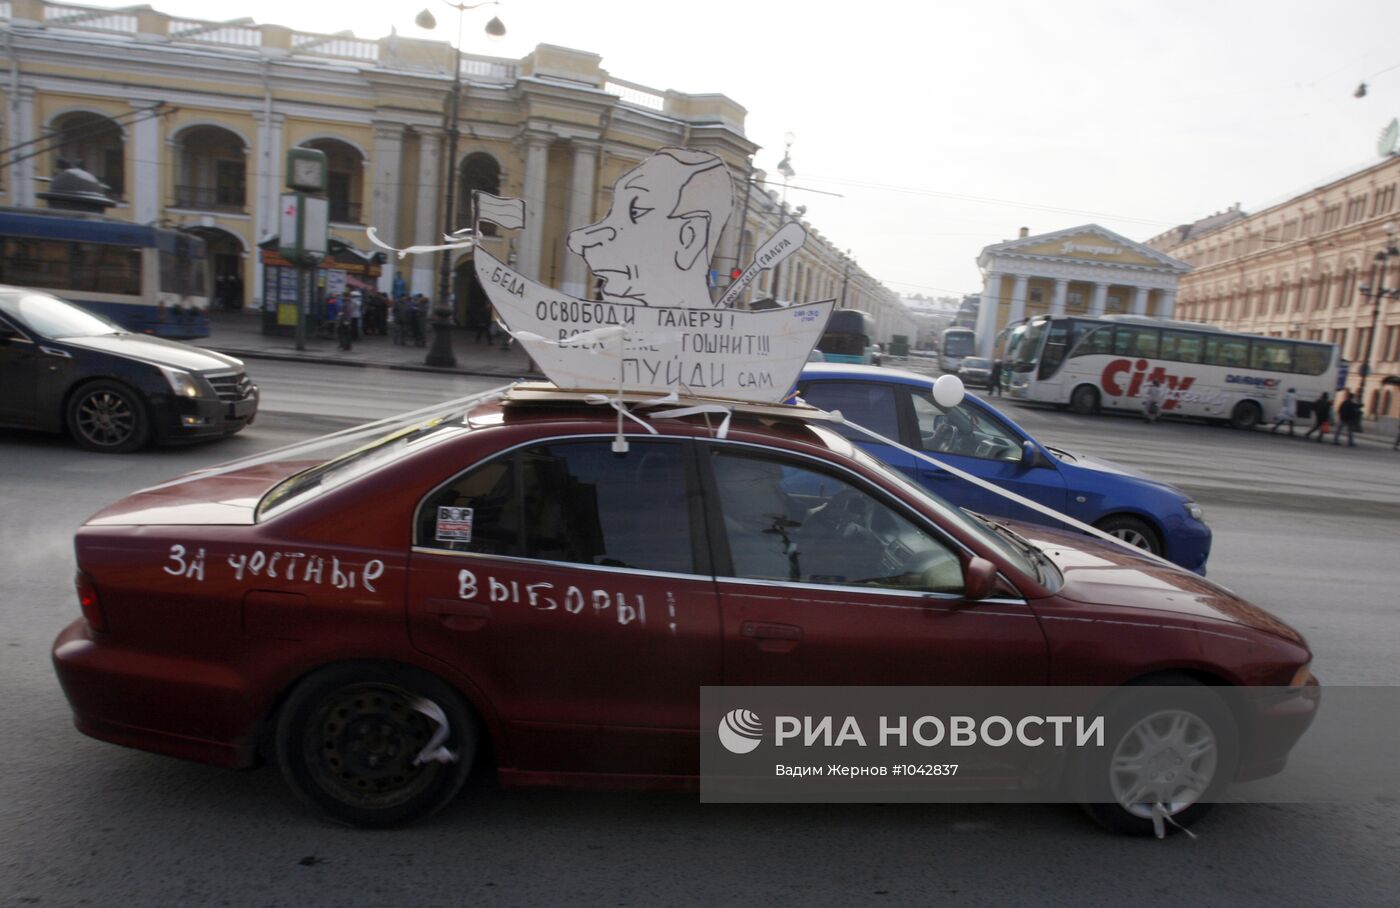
{"x":181,"y":382}
{"x":1195,"y":511}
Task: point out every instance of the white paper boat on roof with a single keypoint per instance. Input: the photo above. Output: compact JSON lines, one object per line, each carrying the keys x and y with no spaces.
{"x":656,"y":327}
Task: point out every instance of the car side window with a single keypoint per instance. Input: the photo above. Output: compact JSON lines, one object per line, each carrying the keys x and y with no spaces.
{"x":873,"y":405}
{"x":787,"y":522}
{"x":572,"y":501}
{"x":963,"y":430}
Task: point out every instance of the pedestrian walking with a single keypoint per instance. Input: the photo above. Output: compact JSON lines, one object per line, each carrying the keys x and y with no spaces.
{"x":1287,"y":411}
{"x":1322,"y":417}
{"x":1348,"y":418}
{"x":1152,"y":397}
{"x":401,"y":320}
{"x":995,"y":382}
{"x":417,"y":319}
{"x":357,"y":313}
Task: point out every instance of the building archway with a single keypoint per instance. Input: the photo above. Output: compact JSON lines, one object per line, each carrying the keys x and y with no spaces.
{"x":345,"y":179}
{"x":479,"y":172}
{"x":211,"y":169}
{"x":226,"y":257}
{"x":473,"y":309}
{"x":95,"y":143}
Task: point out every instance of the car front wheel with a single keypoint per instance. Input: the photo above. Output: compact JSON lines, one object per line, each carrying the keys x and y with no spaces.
{"x":109,"y":417}
{"x":1169,"y":753}
{"x":1133,"y":531}
{"x":375,"y":745}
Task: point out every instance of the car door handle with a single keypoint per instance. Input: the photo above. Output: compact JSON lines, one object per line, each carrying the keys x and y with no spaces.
{"x":457,"y":615}
{"x":772,"y":638}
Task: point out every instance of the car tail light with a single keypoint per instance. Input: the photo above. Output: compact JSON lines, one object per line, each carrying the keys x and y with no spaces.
{"x":87,"y":598}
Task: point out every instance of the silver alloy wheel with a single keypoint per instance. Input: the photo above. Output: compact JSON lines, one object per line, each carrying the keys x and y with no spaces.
{"x":106,"y":418}
{"x":1132,"y":537}
{"x":1167,"y":758}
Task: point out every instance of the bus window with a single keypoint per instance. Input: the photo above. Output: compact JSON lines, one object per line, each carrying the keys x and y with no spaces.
{"x":1227,"y":351}
{"x":1099,"y":340}
{"x":1182,"y":346}
{"x":1310,"y":359}
{"x":1276,"y":356}
{"x":1132,"y":340}
{"x":1056,"y":342}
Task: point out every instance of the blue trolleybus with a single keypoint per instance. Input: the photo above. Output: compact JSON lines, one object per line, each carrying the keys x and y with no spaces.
{"x":150,"y":280}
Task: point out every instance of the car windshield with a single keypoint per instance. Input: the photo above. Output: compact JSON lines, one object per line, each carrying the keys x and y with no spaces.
{"x":52,"y":317}
{"x":1020,"y":554}
{"x":976,"y":362}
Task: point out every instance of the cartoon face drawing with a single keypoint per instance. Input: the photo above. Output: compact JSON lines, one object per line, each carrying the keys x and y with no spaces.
{"x":654,"y":245}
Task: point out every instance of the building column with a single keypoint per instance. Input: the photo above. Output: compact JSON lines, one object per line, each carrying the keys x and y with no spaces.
{"x":145,"y":169}
{"x":1100,"y":300}
{"x":1139,"y":301}
{"x":1166,"y":304}
{"x":1057,"y":305}
{"x":580,"y":214}
{"x":267,"y":194}
{"x":1018,"y":299}
{"x":987,"y":307}
{"x":536,"y":182}
{"x":384,"y":194}
{"x":21,"y":131}
{"x":426,"y":223}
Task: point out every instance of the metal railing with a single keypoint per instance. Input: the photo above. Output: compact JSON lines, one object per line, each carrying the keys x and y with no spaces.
{"x":345,"y":212}
{"x":211,"y":198}
{"x":65,"y":15}
{"x":342,"y":45}
{"x":214,"y":33}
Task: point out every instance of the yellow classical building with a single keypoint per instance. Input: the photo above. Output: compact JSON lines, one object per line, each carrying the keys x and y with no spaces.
{"x":1085,"y":270}
{"x":1306,"y":268}
{"x":189,"y":123}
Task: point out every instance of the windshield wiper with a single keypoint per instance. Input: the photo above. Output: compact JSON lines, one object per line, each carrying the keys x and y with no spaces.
{"x":1037,"y":557}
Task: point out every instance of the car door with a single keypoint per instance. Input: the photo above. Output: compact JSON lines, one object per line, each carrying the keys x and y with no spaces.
{"x":19,"y":372}
{"x":849,"y":587}
{"x":972,"y":438}
{"x":568,"y":582}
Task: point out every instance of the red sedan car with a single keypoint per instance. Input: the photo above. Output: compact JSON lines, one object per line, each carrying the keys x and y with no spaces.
{"x":505,"y":582}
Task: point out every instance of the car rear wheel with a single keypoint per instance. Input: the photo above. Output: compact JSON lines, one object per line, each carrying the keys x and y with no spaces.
{"x":109,"y":417}
{"x":1169,"y":753}
{"x":1133,"y":531}
{"x":1084,"y":400}
{"x":375,"y":745}
{"x":1246,"y":415}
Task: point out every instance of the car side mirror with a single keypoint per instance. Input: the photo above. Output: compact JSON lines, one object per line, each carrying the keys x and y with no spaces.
{"x":979,"y":579}
{"x":1031,"y":456}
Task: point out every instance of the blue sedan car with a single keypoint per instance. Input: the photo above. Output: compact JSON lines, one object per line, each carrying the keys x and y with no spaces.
{"x":978,"y":439}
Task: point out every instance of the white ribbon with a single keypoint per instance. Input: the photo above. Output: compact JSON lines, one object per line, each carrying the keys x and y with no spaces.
{"x":617,"y":404}
{"x":453,"y":241}
{"x":723,"y":430}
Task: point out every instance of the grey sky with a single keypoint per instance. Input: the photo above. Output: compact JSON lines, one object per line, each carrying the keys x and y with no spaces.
{"x":949,"y":125}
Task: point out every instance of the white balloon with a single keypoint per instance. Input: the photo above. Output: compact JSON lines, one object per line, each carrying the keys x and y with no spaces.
{"x":948,"y":391}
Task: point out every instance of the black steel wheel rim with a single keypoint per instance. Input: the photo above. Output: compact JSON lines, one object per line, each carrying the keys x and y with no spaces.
{"x":361,"y":742}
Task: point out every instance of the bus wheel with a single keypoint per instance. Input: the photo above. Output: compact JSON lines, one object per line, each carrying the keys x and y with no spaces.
{"x":1246,"y":415}
{"x":1084,"y":400}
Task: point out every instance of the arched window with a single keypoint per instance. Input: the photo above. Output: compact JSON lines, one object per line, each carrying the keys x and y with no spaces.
{"x":94,"y":143}
{"x":345,"y":179}
{"x":211,"y":170}
{"x":480,"y":172}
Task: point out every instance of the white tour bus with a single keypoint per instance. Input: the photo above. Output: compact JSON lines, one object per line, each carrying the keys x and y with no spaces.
{"x":1106,"y":362}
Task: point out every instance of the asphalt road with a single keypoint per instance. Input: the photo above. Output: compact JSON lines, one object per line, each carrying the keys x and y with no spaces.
{"x":1307,"y":531}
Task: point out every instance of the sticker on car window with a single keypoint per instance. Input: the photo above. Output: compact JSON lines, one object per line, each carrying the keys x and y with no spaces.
{"x":454,"y":524}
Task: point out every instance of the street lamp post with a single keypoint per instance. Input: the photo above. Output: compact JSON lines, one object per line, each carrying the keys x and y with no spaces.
{"x":1377,"y":293}
{"x":441,"y":352}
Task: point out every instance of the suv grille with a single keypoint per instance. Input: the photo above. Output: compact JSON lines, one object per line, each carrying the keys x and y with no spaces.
{"x":231,"y":386}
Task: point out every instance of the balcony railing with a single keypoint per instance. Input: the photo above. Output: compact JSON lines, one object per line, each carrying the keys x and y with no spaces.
{"x":345,"y":212}
{"x":211,"y":198}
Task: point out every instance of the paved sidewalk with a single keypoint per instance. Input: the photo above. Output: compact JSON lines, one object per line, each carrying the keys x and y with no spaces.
{"x":239,"y":333}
